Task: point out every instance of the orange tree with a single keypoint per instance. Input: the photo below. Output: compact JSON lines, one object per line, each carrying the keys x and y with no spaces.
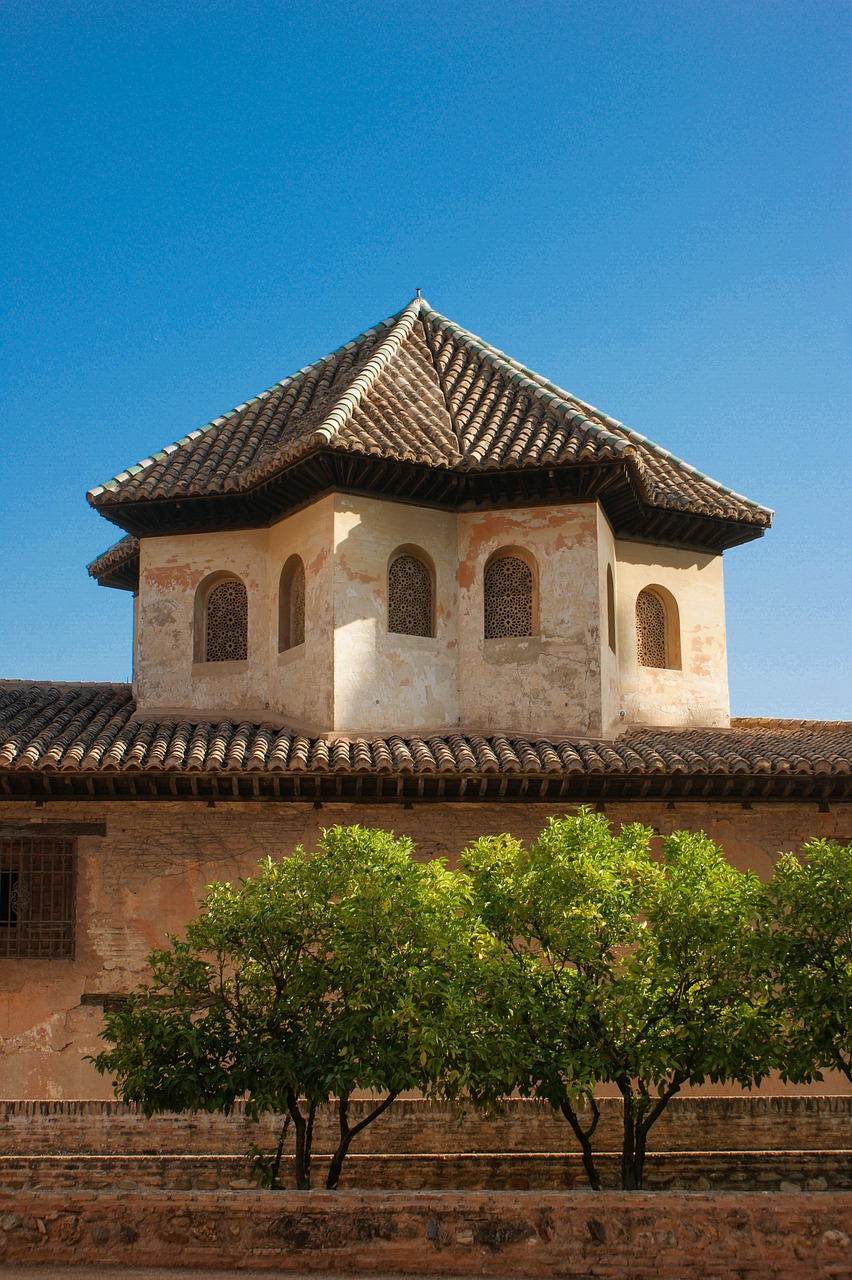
{"x":808,"y":904}
{"x":353,"y":968}
{"x":621,"y":968}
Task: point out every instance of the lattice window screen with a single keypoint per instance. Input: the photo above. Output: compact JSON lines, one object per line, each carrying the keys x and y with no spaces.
{"x":36,"y":898}
{"x":610,"y":608}
{"x":409,"y":597}
{"x":227,"y":623}
{"x":291,"y":605}
{"x":508,"y":598}
{"x":651,"y":630}
{"x":296,"y":606}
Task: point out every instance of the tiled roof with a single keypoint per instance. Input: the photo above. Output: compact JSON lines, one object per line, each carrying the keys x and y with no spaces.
{"x":119,"y":565}
{"x":72,"y":739}
{"x":417,"y":389}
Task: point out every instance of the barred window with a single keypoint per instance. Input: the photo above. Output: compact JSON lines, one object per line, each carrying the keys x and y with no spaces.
{"x":651,"y":640}
{"x":226,"y":622}
{"x":410,"y":597}
{"x":508,"y":597}
{"x":37,"y":876}
{"x":291,"y":605}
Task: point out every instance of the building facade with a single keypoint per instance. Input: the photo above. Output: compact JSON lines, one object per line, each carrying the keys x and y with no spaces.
{"x":415,"y":585}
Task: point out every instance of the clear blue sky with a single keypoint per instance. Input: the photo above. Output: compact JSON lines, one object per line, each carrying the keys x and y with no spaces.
{"x":648,"y":203}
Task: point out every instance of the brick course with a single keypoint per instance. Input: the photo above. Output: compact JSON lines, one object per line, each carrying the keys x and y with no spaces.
{"x":691,"y":1123}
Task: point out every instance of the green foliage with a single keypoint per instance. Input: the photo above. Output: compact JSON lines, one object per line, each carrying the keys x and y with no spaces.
{"x":553,"y":968}
{"x":351,"y":968}
{"x":808,"y":907}
{"x":625,"y":969}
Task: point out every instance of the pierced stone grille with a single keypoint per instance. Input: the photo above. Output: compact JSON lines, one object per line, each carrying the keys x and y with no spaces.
{"x":227,"y":623}
{"x":409,"y":597}
{"x":291,"y":605}
{"x":651,"y":630}
{"x":296,"y":604}
{"x":36,"y":898}
{"x":508,"y":598}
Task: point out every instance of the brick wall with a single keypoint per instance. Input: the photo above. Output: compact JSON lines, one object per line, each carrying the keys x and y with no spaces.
{"x":611,"y":1235}
{"x":691,"y":1123}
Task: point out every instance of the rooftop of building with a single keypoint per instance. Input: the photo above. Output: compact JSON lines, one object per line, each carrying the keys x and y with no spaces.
{"x":88,"y":740}
{"x":420,"y":409}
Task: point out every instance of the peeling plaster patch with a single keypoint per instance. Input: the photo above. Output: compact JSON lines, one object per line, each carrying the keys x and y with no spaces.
{"x":170,"y":578}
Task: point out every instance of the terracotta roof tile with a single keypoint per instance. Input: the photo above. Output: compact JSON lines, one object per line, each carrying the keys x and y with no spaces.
{"x":415,"y":389}
{"x":91,"y":731}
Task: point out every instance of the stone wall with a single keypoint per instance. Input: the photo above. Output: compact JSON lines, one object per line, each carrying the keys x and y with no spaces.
{"x":468,"y":1171}
{"x":611,"y":1235}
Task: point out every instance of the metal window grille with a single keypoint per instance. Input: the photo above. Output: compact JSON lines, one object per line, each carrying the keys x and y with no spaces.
{"x":227,"y":623}
{"x":651,"y":630}
{"x":508,"y":598}
{"x":409,"y":597}
{"x":37,"y":884}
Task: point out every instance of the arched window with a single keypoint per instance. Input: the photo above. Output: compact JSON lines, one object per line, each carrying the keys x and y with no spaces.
{"x":509,"y":596}
{"x":291,"y":605}
{"x":610,"y":608}
{"x":222,"y":621}
{"x":657,"y":629}
{"x":410,"y":611}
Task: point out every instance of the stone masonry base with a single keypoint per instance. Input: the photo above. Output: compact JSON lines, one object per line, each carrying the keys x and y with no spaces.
{"x":609,"y":1235}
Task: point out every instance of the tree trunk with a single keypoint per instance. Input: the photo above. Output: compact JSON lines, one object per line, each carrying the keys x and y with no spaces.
{"x":628,"y":1140}
{"x":584,"y":1137}
{"x":275,"y":1168}
{"x":347,"y":1134}
{"x":639,"y":1116}
{"x":304,"y":1126}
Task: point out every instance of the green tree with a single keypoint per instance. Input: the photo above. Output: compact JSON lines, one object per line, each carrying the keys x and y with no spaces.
{"x":809,"y":941}
{"x":625,"y":970}
{"x":349,"y":969}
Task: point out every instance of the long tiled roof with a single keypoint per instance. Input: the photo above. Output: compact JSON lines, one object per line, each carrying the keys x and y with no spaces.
{"x":86,"y":739}
{"x":416,"y":390}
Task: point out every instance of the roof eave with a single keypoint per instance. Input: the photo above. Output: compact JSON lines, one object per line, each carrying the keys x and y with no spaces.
{"x":323,"y":470}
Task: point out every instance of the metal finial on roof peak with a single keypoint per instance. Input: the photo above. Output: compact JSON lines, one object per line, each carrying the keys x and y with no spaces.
{"x":417,"y":291}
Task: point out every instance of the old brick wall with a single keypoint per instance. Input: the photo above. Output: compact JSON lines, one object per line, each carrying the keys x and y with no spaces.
{"x":145,"y":876}
{"x":414,"y":1126}
{"x":616,"y":1236}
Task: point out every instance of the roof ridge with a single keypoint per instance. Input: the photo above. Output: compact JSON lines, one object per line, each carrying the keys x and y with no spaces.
{"x":563,"y":401}
{"x":215,"y":423}
{"x":334,"y":421}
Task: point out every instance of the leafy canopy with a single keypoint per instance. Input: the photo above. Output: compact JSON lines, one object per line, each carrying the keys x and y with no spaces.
{"x":808,"y":906}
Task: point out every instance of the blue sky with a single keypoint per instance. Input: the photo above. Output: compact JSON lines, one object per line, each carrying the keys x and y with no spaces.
{"x":647,"y":203}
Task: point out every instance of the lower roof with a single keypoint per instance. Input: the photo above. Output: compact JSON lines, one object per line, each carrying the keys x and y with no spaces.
{"x":86,"y":740}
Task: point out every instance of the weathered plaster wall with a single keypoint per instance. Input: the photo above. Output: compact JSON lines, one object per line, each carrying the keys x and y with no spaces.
{"x":301,"y":679}
{"x":549,"y":683}
{"x":353,"y":676}
{"x":170,"y":571}
{"x":698,"y":693}
{"x":612,"y":722}
{"x":145,"y":878}
{"x":385,"y":682}
{"x":296,"y":685}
